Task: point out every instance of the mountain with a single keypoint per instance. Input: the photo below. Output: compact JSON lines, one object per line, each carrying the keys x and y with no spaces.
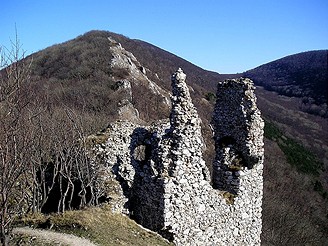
{"x":78,"y":73}
{"x":87,"y":58}
{"x":303,"y":75}
{"x":100,"y":77}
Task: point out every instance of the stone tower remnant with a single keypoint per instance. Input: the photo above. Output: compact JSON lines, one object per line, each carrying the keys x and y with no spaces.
{"x":238,"y":129}
{"x":162,"y":180}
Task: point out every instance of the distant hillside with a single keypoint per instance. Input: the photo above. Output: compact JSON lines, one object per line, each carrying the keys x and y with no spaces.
{"x":304,"y":75}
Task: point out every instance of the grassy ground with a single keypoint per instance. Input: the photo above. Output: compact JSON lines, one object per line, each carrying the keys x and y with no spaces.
{"x":99,"y":225}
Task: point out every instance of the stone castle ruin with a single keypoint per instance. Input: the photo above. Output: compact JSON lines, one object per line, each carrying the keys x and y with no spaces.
{"x":158,"y":176}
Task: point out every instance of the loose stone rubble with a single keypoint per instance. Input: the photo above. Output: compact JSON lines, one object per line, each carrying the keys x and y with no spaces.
{"x":162,"y":180}
{"x":125,"y":60}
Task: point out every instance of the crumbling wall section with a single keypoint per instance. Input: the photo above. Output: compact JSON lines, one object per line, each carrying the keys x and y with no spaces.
{"x":165,"y":183}
{"x":194,"y":212}
{"x":131,"y":173}
{"x":238,"y":133}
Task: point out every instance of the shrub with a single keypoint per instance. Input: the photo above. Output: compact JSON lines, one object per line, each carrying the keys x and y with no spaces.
{"x":210,"y":96}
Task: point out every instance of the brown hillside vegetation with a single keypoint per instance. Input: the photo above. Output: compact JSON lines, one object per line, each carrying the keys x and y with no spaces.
{"x":292,"y":212}
{"x":303,"y":75}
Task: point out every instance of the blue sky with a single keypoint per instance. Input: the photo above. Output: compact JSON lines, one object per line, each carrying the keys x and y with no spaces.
{"x":226,"y":36}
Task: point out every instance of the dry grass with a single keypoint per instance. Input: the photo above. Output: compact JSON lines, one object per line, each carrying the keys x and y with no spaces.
{"x":96,"y":139}
{"x":99,"y":225}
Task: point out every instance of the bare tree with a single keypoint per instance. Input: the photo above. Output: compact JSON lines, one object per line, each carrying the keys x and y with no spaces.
{"x":43,"y":149}
{"x":61,"y":166}
{"x":14,"y":140}
{"x":77,"y":174}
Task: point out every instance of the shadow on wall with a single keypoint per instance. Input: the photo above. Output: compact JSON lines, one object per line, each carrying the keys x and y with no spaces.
{"x":146,"y":194}
{"x":232,"y":121}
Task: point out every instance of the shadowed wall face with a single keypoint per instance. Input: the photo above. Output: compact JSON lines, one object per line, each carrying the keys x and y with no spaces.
{"x":238,"y":128}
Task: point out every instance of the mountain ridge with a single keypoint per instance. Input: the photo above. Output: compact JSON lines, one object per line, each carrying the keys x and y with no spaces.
{"x":303,"y":75}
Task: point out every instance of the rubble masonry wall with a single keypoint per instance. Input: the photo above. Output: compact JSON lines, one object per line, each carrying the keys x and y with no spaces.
{"x":164,"y":184}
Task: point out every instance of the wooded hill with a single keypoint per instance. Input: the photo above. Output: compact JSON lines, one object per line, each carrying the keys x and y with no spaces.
{"x":303,"y":75}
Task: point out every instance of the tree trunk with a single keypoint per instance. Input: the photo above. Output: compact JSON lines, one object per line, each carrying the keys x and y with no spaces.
{"x":4,"y":237}
{"x":4,"y":234}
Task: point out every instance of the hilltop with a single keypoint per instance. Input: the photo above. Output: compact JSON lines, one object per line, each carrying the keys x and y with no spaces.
{"x":303,"y":75}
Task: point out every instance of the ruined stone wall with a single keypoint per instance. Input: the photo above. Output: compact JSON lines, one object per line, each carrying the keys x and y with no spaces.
{"x":164,"y":184}
{"x":132,"y":172}
{"x":238,"y":129}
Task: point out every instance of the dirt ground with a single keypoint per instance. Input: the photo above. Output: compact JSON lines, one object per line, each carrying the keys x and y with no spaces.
{"x":54,"y":237}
